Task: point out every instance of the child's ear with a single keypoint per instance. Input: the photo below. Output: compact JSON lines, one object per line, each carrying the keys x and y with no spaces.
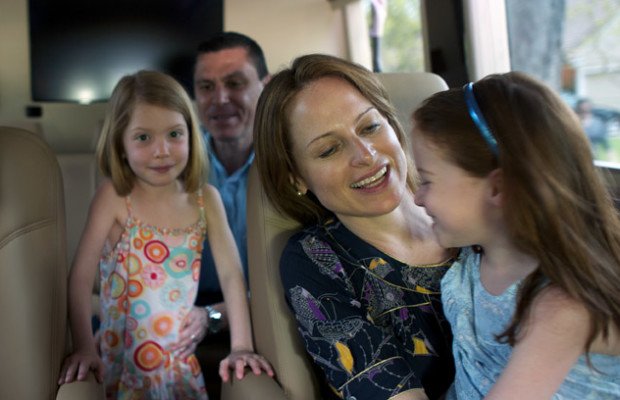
{"x":299,"y":184}
{"x":496,"y":186}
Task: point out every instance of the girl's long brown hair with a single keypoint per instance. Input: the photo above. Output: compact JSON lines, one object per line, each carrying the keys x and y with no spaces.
{"x":555,"y":201}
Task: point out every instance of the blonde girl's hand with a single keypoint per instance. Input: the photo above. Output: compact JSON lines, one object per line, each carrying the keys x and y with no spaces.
{"x":237,"y":360}
{"x":77,"y":365}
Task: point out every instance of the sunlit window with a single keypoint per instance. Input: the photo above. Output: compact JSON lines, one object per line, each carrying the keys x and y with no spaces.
{"x":591,"y":71}
{"x":574,"y":45}
{"x":396,"y":35}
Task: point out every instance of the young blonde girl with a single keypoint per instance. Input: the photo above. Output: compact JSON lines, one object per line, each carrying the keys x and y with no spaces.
{"x":534,"y":304}
{"x":145,"y":231}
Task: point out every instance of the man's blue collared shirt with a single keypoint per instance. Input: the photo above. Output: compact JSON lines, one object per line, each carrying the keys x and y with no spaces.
{"x":233,"y":191}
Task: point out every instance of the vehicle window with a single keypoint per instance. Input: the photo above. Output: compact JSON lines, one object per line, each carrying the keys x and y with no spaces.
{"x":574,"y":45}
{"x":396,"y":35}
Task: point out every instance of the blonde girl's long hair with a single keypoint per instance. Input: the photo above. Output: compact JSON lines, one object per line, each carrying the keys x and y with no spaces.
{"x":156,"y":88}
{"x":555,"y":201}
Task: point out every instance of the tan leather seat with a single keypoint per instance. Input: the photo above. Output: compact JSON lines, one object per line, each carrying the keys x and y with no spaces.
{"x":33,"y":272}
{"x":408,"y":89}
{"x":80,"y":176}
{"x":274,"y":327}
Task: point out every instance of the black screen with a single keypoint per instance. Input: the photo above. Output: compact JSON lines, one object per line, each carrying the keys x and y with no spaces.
{"x":79,"y":49}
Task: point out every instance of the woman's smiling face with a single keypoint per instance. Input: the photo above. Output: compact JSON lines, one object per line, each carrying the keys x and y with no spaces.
{"x":346,"y":152}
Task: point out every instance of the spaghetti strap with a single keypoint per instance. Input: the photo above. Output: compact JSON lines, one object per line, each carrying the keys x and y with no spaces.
{"x":128,"y":204}
{"x":201,"y":204}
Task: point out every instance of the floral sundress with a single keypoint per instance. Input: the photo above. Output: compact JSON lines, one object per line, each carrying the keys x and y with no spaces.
{"x":149,"y":282}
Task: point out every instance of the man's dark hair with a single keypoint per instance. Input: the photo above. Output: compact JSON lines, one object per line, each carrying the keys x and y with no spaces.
{"x":229,"y":40}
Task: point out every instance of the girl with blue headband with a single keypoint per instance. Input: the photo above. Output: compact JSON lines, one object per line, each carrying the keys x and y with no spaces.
{"x":533,"y":298}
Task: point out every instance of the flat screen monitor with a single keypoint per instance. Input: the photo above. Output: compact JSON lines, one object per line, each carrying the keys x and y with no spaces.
{"x":79,"y":49}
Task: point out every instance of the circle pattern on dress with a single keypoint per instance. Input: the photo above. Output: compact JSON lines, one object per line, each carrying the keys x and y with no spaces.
{"x":172,"y":293}
{"x":111,"y":338}
{"x":134,"y":264}
{"x":140,"y":309}
{"x":117,"y":285}
{"x":162,"y":324}
{"x":177,"y":264}
{"x":146,"y":233}
{"x":192,"y":360}
{"x":156,"y":251}
{"x":138,"y":243}
{"x":134,"y":288}
{"x":149,"y":356}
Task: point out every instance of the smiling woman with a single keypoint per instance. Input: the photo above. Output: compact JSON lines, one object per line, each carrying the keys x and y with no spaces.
{"x":363,"y":277}
{"x":352,"y":161}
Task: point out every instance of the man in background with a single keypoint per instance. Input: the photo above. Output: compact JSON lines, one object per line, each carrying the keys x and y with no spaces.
{"x":229,"y":76}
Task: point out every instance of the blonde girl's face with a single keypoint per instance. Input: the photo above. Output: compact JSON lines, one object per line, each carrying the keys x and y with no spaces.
{"x":458,"y":203}
{"x":156,"y":144}
{"x":346,"y":152}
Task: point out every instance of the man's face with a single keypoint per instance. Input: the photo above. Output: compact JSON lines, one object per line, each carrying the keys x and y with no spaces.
{"x":227,"y":87}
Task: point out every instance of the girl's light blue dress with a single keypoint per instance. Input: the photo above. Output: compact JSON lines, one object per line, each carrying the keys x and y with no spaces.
{"x":477,"y":317}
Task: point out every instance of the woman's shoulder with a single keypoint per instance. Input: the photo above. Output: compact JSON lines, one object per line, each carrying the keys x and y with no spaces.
{"x":310,"y":245}
{"x":302,"y":239}
{"x":313,"y":232}
{"x":332,"y":236}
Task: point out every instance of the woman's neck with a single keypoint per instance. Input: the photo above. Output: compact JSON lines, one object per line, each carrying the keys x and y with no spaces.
{"x":405,"y":234}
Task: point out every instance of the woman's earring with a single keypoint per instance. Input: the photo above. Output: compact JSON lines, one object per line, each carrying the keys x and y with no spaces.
{"x":299,"y":193}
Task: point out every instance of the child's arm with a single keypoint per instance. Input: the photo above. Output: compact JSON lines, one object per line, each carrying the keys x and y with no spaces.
{"x":554,"y":338}
{"x":101,"y":218}
{"x":230,"y":275}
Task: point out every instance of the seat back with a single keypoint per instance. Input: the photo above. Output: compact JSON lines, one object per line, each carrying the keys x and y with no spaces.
{"x":274,"y":327}
{"x":407,"y":90}
{"x":80,"y":176}
{"x":33,"y":267}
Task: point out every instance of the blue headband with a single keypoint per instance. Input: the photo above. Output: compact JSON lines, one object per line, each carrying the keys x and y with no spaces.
{"x":478,"y":118}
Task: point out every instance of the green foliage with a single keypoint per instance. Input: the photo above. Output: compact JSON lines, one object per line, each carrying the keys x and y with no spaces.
{"x":402,"y":48}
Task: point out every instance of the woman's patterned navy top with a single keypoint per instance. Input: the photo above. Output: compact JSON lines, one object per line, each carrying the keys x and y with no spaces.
{"x":373,"y":324}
